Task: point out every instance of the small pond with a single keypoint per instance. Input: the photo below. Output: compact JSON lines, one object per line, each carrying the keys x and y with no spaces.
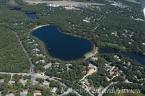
{"x":132,"y":55}
{"x":32,"y":15}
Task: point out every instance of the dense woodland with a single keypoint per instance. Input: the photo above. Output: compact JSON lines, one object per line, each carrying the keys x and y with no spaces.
{"x":109,"y":26}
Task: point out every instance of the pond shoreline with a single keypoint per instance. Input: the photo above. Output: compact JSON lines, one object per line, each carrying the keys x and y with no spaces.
{"x":68,"y":36}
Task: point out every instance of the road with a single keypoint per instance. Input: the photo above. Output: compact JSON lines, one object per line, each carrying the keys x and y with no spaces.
{"x":63,"y":3}
{"x":35,"y":75}
{"x":106,"y":88}
{"x":26,"y":53}
{"x":70,"y":90}
{"x":6,"y":73}
{"x":23,"y":48}
{"x":31,"y":70}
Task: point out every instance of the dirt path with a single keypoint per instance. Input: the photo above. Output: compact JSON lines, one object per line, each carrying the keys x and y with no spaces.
{"x":90,"y":72}
{"x":92,"y":69}
{"x":26,"y":53}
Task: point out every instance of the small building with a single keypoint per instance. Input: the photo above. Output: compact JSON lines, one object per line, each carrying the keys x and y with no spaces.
{"x":46,"y":83}
{"x":37,"y":93}
{"x":24,"y":93}
{"x":23,"y":82}
{"x":2,"y":80}
{"x":12,"y":82}
{"x":54,"y":90}
{"x":10,"y":94}
{"x":47,"y":66}
{"x":143,"y":44}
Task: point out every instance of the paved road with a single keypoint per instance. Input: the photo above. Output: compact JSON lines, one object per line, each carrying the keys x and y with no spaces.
{"x":63,"y":3}
{"x":35,"y":75}
{"x":6,"y":73}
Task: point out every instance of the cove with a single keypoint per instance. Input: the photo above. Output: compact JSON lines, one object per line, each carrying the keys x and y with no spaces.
{"x":132,"y":55}
{"x":60,"y":45}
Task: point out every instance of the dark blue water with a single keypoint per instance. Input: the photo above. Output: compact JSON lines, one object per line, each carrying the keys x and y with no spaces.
{"x":60,"y":45}
{"x":132,"y":55}
{"x":32,"y":15}
{"x":16,"y":8}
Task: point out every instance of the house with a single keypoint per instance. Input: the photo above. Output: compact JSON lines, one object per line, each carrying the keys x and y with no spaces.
{"x":23,"y":82}
{"x":2,"y":80}
{"x":10,"y":94}
{"x":37,"y":93}
{"x":11,"y":82}
{"x":47,"y":66}
{"x":54,"y":90}
{"x":24,"y":93}
{"x":46,"y":83}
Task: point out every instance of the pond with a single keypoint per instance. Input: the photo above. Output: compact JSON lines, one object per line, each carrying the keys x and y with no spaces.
{"x":32,"y":15}
{"x":132,"y":55}
{"x":60,"y":45}
{"x":16,"y":8}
